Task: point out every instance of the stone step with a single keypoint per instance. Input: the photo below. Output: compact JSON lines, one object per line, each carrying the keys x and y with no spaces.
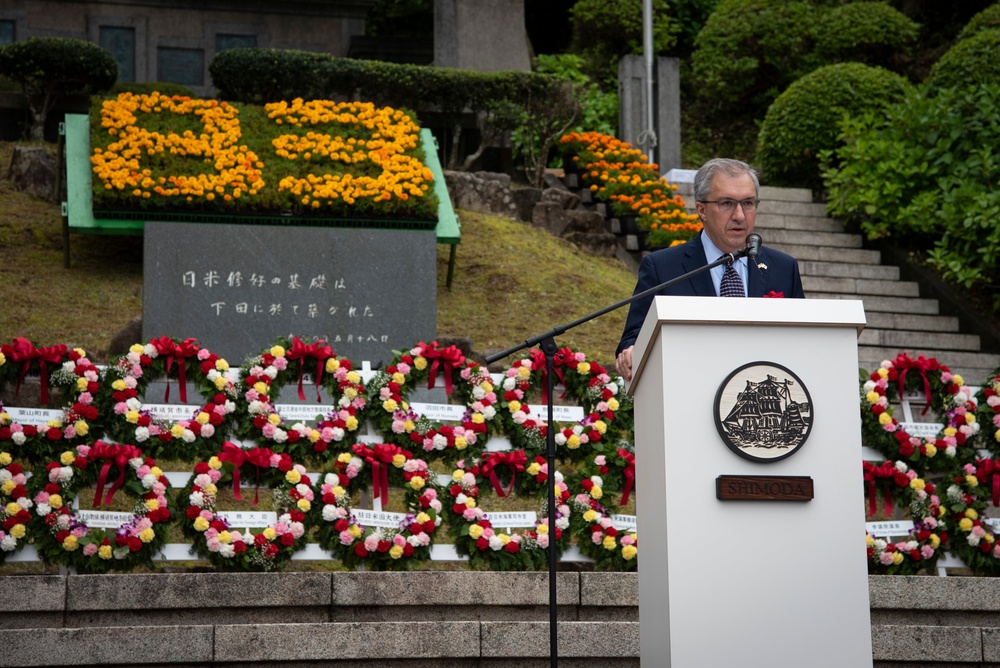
{"x":767,"y":221}
{"x":770,"y":193}
{"x":903,"y":339}
{"x":807,"y":238}
{"x":803,"y":252}
{"x":888,"y":304}
{"x":779,"y":207}
{"x":975,"y":368}
{"x":912,"y":322}
{"x":767,"y":194}
{"x":853,"y":286}
{"x":876,"y":272}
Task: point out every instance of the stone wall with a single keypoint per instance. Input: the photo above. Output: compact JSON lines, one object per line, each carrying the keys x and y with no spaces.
{"x":422,"y":619}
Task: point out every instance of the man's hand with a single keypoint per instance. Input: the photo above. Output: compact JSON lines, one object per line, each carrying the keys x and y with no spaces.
{"x":624,"y":363}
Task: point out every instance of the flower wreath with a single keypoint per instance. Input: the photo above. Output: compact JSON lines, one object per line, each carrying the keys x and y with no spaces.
{"x":126,"y":380}
{"x":15,"y":506}
{"x":474,"y":534}
{"x":974,"y":541}
{"x":594,"y":507}
{"x":946,"y":394}
{"x":393,"y":417}
{"x":63,"y":538}
{"x":232,"y":550}
{"x":76,"y":376}
{"x":921,"y":549}
{"x":264,"y":376}
{"x":379,"y":548}
{"x":988,"y":412}
{"x":586,"y":382}
{"x":596,"y":535}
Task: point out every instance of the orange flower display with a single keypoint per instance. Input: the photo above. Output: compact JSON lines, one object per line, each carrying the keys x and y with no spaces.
{"x":620,"y":174}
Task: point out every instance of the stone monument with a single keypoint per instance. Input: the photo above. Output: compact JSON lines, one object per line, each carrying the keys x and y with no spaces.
{"x":481,"y":35}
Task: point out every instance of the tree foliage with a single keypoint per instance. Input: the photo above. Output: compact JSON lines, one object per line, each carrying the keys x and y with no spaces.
{"x":48,"y":68}
{"x":751,"y":50}
{"x":605,"y":31}
{"x":925,"y":170}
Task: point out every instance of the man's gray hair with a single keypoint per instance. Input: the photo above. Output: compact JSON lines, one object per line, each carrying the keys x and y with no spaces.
{"x":731,"y":167}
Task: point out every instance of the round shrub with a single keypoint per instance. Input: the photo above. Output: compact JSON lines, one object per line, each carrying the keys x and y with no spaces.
{"x":750,"y":49}
{"x":971,"y":61}
{"x":804,"y":119}
{"x":988,"y":19}
{"x":870,"y":32}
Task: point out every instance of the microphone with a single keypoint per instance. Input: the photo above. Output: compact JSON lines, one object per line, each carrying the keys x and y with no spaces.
{"x":753,"y":245}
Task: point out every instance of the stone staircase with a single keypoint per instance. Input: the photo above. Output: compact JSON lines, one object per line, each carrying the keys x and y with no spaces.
{"x":834,"y":265}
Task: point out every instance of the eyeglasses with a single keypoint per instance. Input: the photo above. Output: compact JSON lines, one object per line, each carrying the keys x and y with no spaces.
{"x":729,"y":205}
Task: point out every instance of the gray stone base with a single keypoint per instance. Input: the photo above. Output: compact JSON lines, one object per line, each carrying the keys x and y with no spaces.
{"x":423,"y":619}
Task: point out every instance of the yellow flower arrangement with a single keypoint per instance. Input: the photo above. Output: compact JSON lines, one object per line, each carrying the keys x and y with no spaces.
{"x":317,"y":157}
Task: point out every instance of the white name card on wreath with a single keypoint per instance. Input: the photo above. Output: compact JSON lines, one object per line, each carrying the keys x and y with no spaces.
{"x":172,"y":412}
{"x":439,"y":412}
{"x":243,"y":519}
{"x":378,"y":518}
{"x":521,"y":519}
{"x":993,"y":523}
{"x":922,"y":429}
{"x":33,"y":415}
{"x":624,"y":522}
{"x":889,"y":528}
{"x":302,"y":412}
{"x":103,"y":519}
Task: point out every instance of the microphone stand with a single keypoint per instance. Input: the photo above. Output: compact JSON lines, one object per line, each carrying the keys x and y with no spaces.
{"x":547,"y":343}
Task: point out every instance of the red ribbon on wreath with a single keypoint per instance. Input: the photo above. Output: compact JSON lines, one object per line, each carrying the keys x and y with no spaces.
{"x":169,"y":350}
{"x":629,"y":473}
{"x":111,"y":453}
{"x":27,"y":353}
{"x":259,"y":457}
{"x":986,"y":469}
{"x":874,"y":473}
{"x":922,"y":365}
{"x":515,"y":460}
{"x":446,"y":359}
{"x":303,"y":351}
{"x":379,"y":456}
{"x":558,"y":361}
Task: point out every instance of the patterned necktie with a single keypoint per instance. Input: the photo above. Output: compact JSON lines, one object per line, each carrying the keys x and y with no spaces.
{"x":731,"y":284}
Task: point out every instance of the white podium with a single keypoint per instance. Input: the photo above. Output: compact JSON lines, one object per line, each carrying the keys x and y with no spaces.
{"x":762,"y":578}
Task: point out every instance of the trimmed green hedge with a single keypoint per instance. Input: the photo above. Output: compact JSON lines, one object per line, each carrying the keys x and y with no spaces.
{"x":804,"y":119}
{"x":256,"y":75}
{"x":972,"y":61}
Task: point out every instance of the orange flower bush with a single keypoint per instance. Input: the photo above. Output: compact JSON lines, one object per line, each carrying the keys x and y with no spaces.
{"x":620,"y":174}
{"x":320,"y":157}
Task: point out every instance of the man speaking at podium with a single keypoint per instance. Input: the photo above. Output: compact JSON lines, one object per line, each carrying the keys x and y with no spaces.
{"x":726,"y":195}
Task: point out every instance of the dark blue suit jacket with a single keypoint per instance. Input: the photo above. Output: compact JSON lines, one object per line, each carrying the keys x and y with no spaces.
{"x":781,"y":275}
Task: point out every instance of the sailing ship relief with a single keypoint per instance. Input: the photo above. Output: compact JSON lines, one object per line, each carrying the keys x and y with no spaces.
{"x":763,"y":412}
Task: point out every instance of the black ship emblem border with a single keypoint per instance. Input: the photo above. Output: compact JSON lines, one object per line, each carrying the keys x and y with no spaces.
{"x":763,"y":412}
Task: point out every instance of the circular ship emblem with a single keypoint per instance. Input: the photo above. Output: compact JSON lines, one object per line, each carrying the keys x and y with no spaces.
{"x":763,"y":412}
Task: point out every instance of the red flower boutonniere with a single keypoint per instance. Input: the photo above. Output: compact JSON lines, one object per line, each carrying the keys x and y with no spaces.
{"x":774,"y":295}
